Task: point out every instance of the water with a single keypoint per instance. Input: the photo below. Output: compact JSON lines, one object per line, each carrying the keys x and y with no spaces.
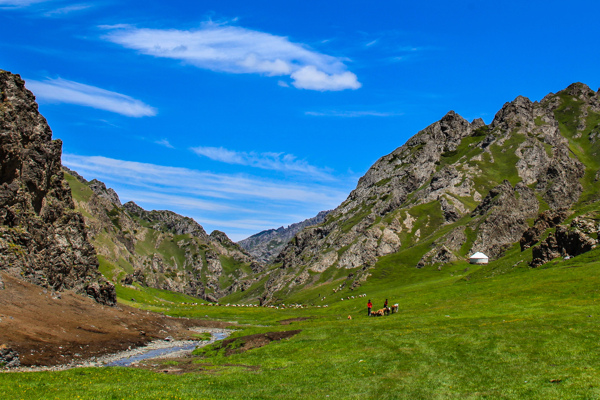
{"x":155,"y":353}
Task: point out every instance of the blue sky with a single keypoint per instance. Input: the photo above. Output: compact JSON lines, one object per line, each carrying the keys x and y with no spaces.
{"x":253,"y":115}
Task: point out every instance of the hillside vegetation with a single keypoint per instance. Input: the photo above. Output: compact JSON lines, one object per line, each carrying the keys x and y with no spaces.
{"x":477,"y":333}
{"x":139,"y":249}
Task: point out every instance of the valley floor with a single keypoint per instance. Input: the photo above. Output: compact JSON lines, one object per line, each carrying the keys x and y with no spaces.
{"x":498,"y":332}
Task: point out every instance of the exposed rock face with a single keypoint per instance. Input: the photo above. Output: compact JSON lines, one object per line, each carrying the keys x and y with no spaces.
{"x":9,"y":358}
{"x":102,"y":191}
{"x":163,"y":249}
{"x":42,"y":238}
{"x":487,"y":181}
{"x":547,"y":219}
{"x":563,"y":243}
{"x":266,"y":245}
{"x":167,"y":220}
{"x":504,"y":213}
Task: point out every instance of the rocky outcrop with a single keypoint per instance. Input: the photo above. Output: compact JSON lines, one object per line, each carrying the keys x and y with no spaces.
{"x":546,"y":220}
{"x":165,"y":220}
{"x":102,"y":191}
{"x":564,"y":242}
{"x":266,"y":245}
{"x":503,"y":213}
{"x":42,"y":238}
{"x":9,"y":358}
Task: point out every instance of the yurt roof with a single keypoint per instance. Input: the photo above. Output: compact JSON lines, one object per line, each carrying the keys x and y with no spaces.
{"x":479,"y":255}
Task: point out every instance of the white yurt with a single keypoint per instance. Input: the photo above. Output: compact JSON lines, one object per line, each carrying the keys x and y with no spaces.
{"x":479,"y":258}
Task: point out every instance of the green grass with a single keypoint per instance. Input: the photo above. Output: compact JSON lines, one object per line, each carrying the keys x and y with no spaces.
{"x":358,"y":214}
{"x":80,"y":191}
{"x":580,"y":144}
{"x":525,"y":334}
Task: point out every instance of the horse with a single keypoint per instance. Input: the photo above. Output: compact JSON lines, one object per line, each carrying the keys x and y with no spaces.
{"x":378,"y":313}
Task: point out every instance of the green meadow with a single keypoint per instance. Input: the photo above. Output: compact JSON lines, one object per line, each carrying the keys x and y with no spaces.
{"x":493,"y":332}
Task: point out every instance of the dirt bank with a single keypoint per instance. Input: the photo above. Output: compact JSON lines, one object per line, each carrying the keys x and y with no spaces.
{"x":48,"y":329}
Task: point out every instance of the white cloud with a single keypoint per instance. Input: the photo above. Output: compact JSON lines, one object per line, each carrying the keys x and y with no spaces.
{"x":19,"y":3}
{"x":207,"y":184}
{"x":64,"y":91}
{"x":238,"y":50}
{"x":352,"y":114}
{"x":165,"y":143}
{"x":237,"y":204}
{"x":67,"y":10}
{"x":270,"y":161}
{"x":311,"y":78}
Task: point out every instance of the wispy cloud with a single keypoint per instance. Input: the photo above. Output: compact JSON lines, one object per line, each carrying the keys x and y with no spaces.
{"x":58,"y":12}
{"x":352,"y":114}
{"x":240,"y":205}
{"x":270,"y":161}
{"x":165,"y":143}
{"x":19,"y":3}
{"x":64,"y":91}
{"x":238,"y":50}
{"x":207,"y":184}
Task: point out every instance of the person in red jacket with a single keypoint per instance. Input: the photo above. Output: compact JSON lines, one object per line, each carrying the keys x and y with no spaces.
{"x":369,"y":306}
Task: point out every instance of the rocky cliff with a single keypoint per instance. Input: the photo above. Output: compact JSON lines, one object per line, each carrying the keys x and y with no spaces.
{"x":455,"y":188}
{"x":42,"y":237}
{"x":265,"y":246}
{"x":160,"y":249}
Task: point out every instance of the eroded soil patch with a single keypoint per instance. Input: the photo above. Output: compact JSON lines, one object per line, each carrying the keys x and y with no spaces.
{"x":290,"y":320}
{"x":187,"y":365}
{"x":48,"y":330}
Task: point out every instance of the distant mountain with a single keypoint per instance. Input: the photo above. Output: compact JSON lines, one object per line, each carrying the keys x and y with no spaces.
{"x":266,"y":245}
{"x":458,"y":187}
{"x":159,"y":249}
{"x":42,"y":238}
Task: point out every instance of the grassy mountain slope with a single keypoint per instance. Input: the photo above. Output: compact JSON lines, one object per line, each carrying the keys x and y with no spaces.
{"x":139,"y":249}
{"x":453,"y":189}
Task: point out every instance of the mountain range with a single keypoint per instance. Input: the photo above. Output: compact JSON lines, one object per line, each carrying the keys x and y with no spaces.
{"x":524,"y":187}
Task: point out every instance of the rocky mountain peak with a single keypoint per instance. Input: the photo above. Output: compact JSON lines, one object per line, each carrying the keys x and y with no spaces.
{"x":164,"y":220}
{"x":265,"y":246}
{"x":102,"y":191}
{"x":42,"y":238}
{"x":220,"y":237}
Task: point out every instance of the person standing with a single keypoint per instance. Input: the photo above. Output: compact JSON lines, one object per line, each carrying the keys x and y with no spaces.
{"x":369,"y":306}
{"x":385,"y":305}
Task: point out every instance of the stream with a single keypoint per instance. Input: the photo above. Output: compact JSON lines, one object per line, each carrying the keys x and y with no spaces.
{"x":162,"y":348}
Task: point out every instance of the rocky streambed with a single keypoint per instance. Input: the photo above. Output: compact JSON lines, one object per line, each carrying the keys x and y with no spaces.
{"x":155,"y":349}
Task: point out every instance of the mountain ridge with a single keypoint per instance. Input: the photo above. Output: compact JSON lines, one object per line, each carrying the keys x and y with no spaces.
{"x":160,"y":248}
{"x":264,"y":246}
{"x":488,"y":181}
